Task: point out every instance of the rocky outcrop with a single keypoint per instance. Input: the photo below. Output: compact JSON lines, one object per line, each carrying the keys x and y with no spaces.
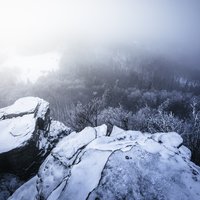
{"x":27,"y":134}
{"x":124,"y":165}
{"x":89,"y":164}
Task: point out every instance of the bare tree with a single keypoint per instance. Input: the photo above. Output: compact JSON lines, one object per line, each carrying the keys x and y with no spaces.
{"x":80,"y":115}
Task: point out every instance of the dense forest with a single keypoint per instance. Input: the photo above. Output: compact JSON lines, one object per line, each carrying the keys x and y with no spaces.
{"x":125,"y":86}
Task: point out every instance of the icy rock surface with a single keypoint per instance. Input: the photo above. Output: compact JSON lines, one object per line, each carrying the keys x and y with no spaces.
{"x":125,"y":165}
{"x":18,"y":122}
{"x":27,"y":134}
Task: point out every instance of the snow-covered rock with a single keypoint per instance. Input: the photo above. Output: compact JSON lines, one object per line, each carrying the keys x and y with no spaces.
{"x":48,"y":140}
{"x":27,"y":133}
{"x":17,"y":128}
{"x":125,"y":165}
{"x":24,"y":106}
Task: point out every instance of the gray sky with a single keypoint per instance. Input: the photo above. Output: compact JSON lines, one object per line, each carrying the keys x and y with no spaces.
{"x":40,"y":30}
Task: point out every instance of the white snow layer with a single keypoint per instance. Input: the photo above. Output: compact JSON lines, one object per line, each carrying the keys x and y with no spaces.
{"x":25,"y":105}
{"x":15,"y":132}
{"x":126,"y":165}
{"x":18,"y":122}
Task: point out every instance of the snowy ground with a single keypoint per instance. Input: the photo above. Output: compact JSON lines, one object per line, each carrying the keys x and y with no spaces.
{"x":126,"y":165}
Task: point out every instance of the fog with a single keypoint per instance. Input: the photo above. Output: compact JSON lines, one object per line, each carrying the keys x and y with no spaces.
{"x":31,"y":28}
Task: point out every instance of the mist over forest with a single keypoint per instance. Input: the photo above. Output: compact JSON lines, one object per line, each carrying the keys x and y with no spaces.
{"x":125,"y":85}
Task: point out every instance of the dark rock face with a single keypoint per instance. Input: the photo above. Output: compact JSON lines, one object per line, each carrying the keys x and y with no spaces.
{"x":21,"y":161}
{"x":26,"y":136}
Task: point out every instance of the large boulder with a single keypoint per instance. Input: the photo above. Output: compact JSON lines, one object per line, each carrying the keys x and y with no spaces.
{"x":125,"y":165}
{"x":27,"y":134}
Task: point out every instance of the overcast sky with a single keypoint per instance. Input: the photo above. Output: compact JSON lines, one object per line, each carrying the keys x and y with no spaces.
{"x":34,"y":33}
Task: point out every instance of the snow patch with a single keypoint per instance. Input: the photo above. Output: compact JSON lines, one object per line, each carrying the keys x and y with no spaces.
{"x":16,"y":131}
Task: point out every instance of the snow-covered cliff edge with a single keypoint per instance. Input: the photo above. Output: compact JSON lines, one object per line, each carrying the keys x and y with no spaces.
{"x":91,"y":165}
{"x":27,"y":135}
{"x":125,"y":165}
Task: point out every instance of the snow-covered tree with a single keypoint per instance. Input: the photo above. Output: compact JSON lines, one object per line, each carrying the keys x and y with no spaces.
{"x":115,"y":116}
